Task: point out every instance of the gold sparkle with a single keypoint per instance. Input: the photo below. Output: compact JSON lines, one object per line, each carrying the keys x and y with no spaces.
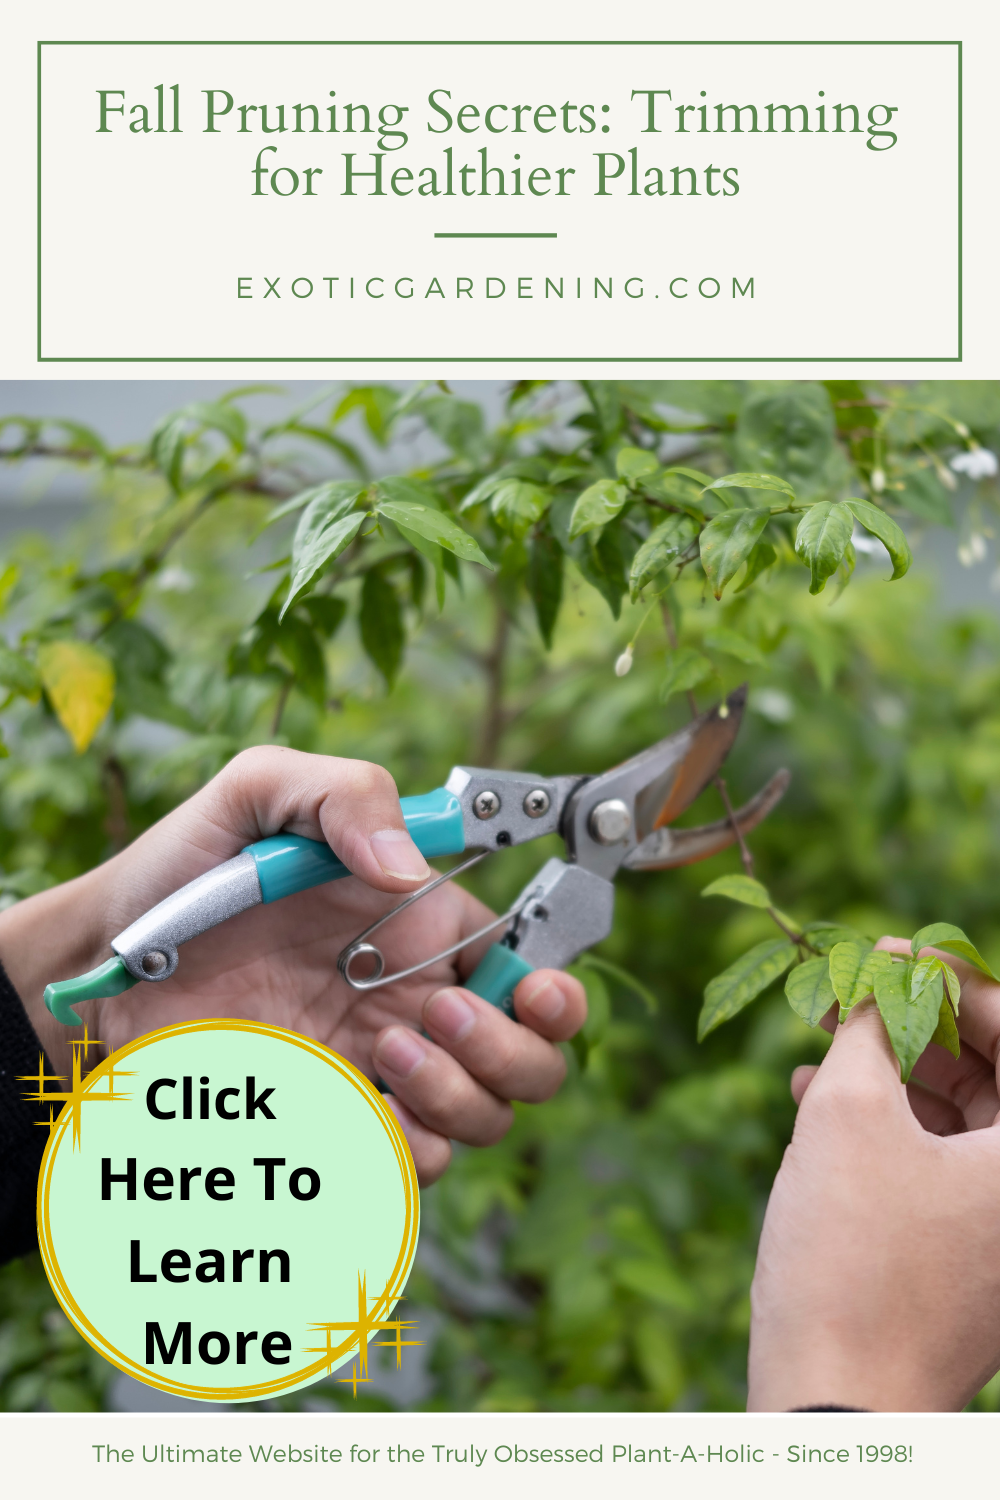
{"x":78,"y":1094}
{"x":360,"y":1332}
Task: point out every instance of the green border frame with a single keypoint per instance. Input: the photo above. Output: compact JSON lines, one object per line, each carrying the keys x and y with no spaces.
{"x":501,"y":359}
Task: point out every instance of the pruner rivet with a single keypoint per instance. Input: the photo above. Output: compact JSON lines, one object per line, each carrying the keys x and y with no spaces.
{"x":486,"y":805}
{"x":154,"y":963}
{"x":537,"y":802}
{"x":610,"y":821}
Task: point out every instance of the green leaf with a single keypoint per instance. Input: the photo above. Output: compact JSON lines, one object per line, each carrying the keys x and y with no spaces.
{"x":911,"y":1021}
{"x":696,"y":475}
{"x":400,"y":487}
{"x":790,"y":430}
{"x":656,"y":1281}
{"x":378,"y":403}
{"x":923,"y":495}
{"x":299,"y":645}
{"x":953,"y":940}
{"x":753,"y":482}
{"x":598,"y":1011}
{"x":946,"y":1031}
{"x":635,"y":463}
{"x":809,"y":990}
{"x":824,"y":936}
{"x":686,"y":667}
{"x":381,"y":624}
{"x":727,"y":542}
{"x":853,"y":969}
{"x":923,"y":973}
{"x":325,"y":611}
{"x":533,"y":469}
{"x":603,"y":564}
{"x":219,"y":416}
{"x":667,"y":541}
{"x":343,"y":449}
{"x":436,"y":526}
{"x":743,"y":981}
{"x":517,"y":504}
{"x":323,"y":547}
{"x":17,"y":673}
{"x":170,"y":438}
{"x":336,"y":496}
{"x":822,"y":538}
{"x":734,"y":644}
{"x":740,"y":888}
{"x":889,"y":534}
{"x":624,"y":978}
{"x":598,"y":505}
{"x":81,"y":437}
{"x":952,"y":984}
{"x":434,"y":554}
{"x":167,"y":449}
{"x":459,"y":424}
{"x":761,"y":558}
{"x":545,"y":581}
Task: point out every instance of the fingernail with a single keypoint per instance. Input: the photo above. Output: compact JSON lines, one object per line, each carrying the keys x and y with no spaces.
{"x":398,"y":854}
{"x":400,"y":1052}
{"x":450,"y":1014}
{"x":547,"y":1001}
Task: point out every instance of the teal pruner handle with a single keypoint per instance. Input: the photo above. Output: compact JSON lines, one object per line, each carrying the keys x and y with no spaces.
{"x":497,"y":976}
{"x":288,"y":863}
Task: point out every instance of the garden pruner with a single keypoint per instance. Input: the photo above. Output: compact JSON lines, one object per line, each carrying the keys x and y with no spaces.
{"x":618,"y":820}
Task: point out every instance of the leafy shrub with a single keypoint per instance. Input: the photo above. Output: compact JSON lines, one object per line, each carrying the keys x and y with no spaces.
{"x":601,"y":1256}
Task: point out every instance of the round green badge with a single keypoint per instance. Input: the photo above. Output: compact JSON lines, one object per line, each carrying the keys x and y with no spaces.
{"x":228,"y":1211}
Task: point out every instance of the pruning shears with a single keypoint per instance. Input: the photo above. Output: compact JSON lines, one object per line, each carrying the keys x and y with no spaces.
{"x":618,"y":820}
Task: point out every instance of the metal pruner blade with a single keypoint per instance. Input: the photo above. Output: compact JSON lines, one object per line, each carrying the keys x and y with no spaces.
{"x":665,"y":848}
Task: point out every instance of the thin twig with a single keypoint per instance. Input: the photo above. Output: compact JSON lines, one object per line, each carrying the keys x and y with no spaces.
{"x":798,"y":938}
{"x":286,"y":688}
{"x":494,"y":664}
{"x":745,"y":854}
{"x":670,"y":628}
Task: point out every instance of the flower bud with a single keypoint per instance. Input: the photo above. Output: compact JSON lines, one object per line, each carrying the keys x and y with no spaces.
{"x":624,"y":663}
{"x":973,"y":550}
{"x":977,"y":463}
{"x":878,"y":480}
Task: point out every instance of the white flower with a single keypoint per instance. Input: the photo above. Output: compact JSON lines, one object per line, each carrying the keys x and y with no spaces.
{"x":973,"y":551}
{"x":978,"y":463}
{"x":624,"y":663}
{"x":878,"y":480}
{"x":174,"y":581}
{"x":890,"y":712}
{"x":868,"y":546}
{"x":773,"y":704}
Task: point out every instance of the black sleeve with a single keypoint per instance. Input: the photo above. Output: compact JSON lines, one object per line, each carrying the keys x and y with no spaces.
{"x":22,"y":1132}
{"x":831,"y":1408}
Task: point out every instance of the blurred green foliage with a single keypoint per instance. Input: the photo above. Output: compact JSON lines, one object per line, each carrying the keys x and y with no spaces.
{"x":601,"y":1256}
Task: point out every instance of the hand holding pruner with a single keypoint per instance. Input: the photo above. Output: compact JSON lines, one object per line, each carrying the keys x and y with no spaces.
{"x":617,"y":820}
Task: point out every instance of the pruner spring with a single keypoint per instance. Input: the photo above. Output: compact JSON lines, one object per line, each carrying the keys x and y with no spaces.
{"x":359,"y":947}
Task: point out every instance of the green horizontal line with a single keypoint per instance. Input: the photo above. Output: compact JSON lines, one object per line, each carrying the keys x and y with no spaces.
{"x":496,"y":359}
{"x":516,"y":236}
{"x":500,"y":42}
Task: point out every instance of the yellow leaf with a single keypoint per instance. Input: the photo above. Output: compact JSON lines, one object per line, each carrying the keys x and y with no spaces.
{"x":80,"y":683}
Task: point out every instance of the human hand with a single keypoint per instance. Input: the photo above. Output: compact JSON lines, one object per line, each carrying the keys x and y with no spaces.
{"x":278,"y":963}
{"x":878,"y":1273}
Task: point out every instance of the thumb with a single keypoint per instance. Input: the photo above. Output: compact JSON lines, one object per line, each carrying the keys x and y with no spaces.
{"x":352,"y":805}
{"x":860,"y":1064}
